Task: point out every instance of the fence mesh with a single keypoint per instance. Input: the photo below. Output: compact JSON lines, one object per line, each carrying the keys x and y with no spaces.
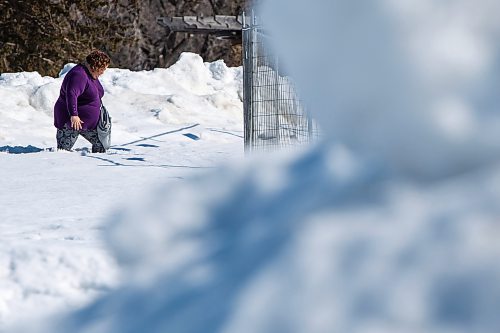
{"x":273,"y":113}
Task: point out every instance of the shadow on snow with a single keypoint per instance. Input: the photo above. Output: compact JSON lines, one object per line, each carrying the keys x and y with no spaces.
{"x":20,"y":149}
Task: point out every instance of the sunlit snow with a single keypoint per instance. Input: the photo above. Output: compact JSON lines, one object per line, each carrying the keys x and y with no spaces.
{"x":389,"y":225}
{"x":167,"y":124}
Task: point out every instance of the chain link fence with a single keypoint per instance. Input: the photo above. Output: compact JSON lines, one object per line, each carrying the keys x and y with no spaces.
{"x":274,"y":116}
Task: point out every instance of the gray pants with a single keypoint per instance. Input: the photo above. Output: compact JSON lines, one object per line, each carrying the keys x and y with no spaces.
{"x":66,"y":139}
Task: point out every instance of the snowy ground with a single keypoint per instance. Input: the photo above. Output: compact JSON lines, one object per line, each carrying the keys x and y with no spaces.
{"x":167,"y":124}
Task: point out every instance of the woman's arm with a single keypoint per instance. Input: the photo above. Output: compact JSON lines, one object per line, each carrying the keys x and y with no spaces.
{"x":75,"y":87}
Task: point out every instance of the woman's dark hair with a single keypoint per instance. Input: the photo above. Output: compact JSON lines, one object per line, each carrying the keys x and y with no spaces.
{"x":98,"y":60}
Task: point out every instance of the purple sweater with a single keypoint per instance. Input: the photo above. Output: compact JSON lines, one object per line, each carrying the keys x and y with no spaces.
{"x":80,"y":96}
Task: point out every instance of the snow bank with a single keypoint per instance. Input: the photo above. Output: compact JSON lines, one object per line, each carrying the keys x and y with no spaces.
{"x":189,"y":92}
{"x":413,"y":84}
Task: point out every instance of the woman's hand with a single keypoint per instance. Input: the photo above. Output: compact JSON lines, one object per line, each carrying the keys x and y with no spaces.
{"x":76,"y":123}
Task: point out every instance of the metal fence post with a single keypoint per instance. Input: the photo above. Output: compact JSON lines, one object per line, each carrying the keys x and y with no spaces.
{"x":273,"y":114}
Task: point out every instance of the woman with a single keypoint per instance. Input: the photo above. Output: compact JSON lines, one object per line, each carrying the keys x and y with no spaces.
{"x":77,"y":109}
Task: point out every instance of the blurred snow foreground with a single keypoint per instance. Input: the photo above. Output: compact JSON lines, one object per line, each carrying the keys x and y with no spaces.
{"x":390,"y":225}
